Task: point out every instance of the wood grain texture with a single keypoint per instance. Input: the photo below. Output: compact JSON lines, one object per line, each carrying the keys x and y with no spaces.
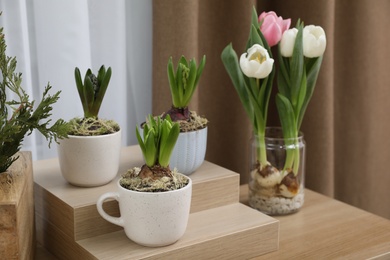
{"x":68,"y":222}
{"x":234,"y":231}
{"x":17,"y":229}
{"x":325,"y":228}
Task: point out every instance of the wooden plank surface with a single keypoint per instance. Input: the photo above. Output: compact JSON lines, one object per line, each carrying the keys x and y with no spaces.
{"x":328,"y":229}
{"x":234,"y":231}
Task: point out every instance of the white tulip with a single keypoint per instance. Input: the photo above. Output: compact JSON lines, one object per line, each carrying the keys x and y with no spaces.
{"x":314,"y":41}
{"x":256,"y":63}
{"x":287,"y":42}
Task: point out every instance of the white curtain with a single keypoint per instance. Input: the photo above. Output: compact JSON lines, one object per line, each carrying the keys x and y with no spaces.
{"x":51,"y":37}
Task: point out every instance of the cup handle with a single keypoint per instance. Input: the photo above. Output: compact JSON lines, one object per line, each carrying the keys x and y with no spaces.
{"x":99,"y":205}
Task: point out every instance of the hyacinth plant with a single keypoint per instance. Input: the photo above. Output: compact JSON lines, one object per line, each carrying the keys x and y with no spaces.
{"x":183,"y":82}
{"x":252,"y":78}
{"x":20,"y":116}
{"x":157,"y":142}
{"x":91,"y":92}
{"x":159,"y":139}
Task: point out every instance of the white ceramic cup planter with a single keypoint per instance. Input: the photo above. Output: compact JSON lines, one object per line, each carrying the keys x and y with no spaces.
{"x":189,"y":152}
{"x":150,"y":218}
{"x":90,"y":161}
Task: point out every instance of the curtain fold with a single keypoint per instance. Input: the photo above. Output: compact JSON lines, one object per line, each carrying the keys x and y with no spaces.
{"x":346,"y":122}
{"x":51,"y":37}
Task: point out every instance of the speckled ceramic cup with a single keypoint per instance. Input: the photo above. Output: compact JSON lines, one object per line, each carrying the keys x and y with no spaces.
{"x":150,"y":218}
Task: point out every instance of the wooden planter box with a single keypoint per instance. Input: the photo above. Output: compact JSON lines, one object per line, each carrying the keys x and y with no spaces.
{"x":17,"y":229}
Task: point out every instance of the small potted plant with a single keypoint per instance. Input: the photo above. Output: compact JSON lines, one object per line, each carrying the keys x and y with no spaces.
{"x":18,"y":118}
{"x":190,"y":149}
{"x":154,"y":201}
{"x":90,"y":155}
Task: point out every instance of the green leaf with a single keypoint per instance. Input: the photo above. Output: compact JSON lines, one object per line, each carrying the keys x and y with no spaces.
{"x":150,"y":148}
{"x":140,"y":141}
{"x":296,"y":67}
{"x":191,"y":86}
{"x":283,"y":77}
{"x":172,"y":83}
{"x":301,"y":98}
{"x":101,"y":73}
{"x":183,"y":61}
{"x":169,"y":145}
{"x":102,"y":90}
{"x":80,"y":88}
{"x":287,"y":117}
{"x":312,"y":70}
{"x":267,"y":93}
{"x":89,"y":95}
{"x":200,"y":69}
{"x":230,"y":61}
{"x":255,"y":17}
{"x":179,"y":87}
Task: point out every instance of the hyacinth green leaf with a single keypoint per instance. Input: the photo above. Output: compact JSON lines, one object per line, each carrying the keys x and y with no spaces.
{"x":150,"y":148}
{"x":179,"y":82}
{"x":140,"y":141}
{"x":183,"y":61}
{"x":102,"y":90}
{"x":104,"y":84}
{"x":165,"y":128}
{"x":172,"y":83}
{"x":191,"y":86}
{"x":89,"y":96}
{"x":146,"y":130}
{"x":200,"y":69}
{"x":101,"y":73}
{"x":80,"y":88}
{"x":170,"y":142}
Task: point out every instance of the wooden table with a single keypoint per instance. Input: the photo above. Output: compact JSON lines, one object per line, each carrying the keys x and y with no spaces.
{"x":325,"y":228}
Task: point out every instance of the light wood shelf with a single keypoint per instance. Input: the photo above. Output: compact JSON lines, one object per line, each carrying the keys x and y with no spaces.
{"x":69,"y":226}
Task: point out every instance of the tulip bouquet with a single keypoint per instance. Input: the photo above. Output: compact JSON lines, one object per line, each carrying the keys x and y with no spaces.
{"x":300,"y":51}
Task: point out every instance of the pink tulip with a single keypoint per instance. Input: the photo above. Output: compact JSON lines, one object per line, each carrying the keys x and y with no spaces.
{"x":273,"y":27}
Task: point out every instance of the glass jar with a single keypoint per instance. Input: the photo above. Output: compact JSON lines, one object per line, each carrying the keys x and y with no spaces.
{"x":276,"y":186}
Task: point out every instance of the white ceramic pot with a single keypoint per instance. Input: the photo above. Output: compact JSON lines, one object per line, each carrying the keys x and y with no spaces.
{"x":150,"y":218}
{"x":189,"y":151}
{"x":90,"y":161}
